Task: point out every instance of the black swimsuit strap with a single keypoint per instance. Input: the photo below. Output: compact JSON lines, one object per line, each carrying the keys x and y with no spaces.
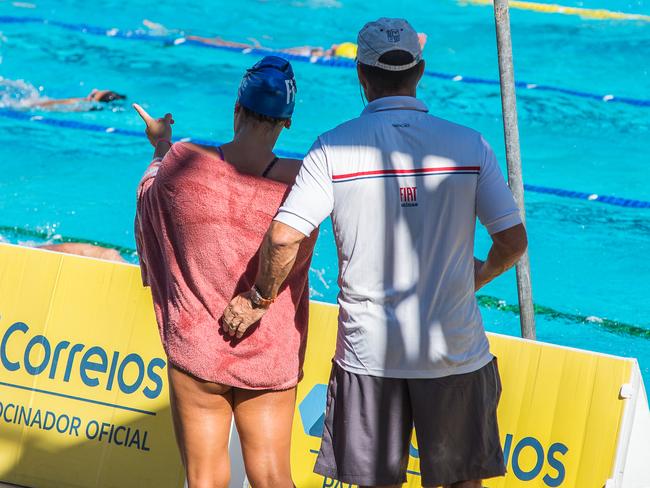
{"x":270,"y":167}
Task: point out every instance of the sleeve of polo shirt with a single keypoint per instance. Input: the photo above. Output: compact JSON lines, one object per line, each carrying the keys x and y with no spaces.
{"x":495,"y":205}
{"x":311,"y":198}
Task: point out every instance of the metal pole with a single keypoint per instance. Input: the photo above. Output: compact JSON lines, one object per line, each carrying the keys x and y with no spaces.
{"x":513,"y":157}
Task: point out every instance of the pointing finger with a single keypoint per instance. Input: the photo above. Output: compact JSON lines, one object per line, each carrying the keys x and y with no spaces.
{"x":143,"y":113}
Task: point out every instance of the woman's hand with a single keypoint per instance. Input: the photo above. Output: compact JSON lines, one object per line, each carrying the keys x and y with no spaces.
{"x":157,"y":129}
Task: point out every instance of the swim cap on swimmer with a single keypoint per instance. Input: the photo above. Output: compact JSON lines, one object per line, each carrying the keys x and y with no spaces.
{"x":269,"y":88}
{"x":346,"y":50}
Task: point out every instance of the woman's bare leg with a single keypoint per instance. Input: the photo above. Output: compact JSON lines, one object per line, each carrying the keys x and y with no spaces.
{"x":264,"y":422}
{"x":202,"y":414}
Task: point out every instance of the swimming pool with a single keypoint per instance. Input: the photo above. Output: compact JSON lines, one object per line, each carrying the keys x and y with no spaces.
{"x":63,"y":174}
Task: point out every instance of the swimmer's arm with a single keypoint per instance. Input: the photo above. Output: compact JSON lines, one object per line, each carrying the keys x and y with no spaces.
{"x":205,"y":40}
{"x":218,"y":41}
{"x":297,"y":49}
{"x":61,"y":101}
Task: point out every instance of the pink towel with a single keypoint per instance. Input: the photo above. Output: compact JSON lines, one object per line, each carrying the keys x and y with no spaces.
{"x":199,"y":226}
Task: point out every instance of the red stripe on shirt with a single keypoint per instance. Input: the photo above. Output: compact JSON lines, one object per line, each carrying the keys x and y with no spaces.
{"x":405,"y":171}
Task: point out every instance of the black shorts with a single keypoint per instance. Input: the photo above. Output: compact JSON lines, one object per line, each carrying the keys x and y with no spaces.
{"x":369,"y":421}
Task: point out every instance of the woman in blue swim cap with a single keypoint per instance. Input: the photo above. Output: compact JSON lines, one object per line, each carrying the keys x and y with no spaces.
{"x":200,"y":222}
{"x":265,"y":104}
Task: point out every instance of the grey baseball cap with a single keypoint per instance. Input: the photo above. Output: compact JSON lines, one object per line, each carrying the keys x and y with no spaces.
{"x":385,"y":35}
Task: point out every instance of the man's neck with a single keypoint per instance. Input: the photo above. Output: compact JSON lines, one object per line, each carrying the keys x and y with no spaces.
{"x":401,"y":93}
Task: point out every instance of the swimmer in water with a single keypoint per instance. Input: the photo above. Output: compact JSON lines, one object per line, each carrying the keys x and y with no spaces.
{"x":98,"y":96}
{"x":78,"y":248}
{"x":20,"y":95}
{"x":87,"y":250}
{"x":346,"y":50}
{"x":343,"y":50}
{"x":218,"y":41}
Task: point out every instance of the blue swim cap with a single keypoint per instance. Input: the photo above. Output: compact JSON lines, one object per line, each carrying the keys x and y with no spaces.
{"x":269,"y":88}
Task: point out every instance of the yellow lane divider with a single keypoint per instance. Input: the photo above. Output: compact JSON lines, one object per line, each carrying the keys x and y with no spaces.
{"x":547,"y":8}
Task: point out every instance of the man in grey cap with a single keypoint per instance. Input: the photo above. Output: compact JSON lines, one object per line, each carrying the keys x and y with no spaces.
{"x":404,"y":189}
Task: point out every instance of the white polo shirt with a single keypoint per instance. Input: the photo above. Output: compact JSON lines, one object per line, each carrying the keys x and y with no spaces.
{"x":404,"y":189}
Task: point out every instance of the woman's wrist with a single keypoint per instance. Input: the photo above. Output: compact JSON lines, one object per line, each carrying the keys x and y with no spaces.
{"x":162,"y":147}
{"x":163,"y":140}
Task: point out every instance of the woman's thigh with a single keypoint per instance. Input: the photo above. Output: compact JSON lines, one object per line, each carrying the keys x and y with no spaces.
{"x":264,"y":420}
{"x":202,"y":414}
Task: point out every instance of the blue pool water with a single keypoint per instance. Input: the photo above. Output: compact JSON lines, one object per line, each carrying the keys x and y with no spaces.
{"x":588,"y":259}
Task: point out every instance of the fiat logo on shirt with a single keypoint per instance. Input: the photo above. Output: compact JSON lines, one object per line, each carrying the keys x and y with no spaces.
{"x":408,"y":196}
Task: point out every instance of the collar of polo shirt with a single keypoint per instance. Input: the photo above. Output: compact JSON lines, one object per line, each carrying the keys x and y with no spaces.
{"x":395,"y":103}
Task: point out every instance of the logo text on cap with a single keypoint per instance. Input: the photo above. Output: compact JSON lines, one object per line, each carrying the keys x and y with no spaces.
{"x":291,"y":90}
{"x":393,"y":35}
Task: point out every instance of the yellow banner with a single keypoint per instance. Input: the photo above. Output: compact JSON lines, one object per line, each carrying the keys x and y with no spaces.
{"x":83,"y":389}
{"x":559,"y":413}
{"x":83,"y":380}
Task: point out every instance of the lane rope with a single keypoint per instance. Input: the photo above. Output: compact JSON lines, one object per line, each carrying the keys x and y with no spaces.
{"x":608,"y":325}
{"x":76,"y":125}
{"x":585,"y":13}
{"x":486,"y":301}
{"x":139,"y":35}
